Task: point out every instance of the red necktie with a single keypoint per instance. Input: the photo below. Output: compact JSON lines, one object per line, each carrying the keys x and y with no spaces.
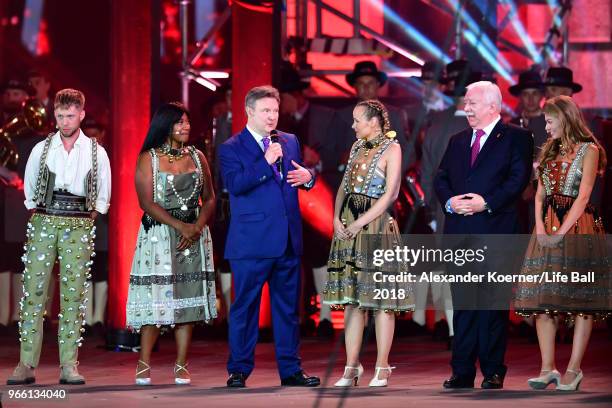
{"x":476,"y":146}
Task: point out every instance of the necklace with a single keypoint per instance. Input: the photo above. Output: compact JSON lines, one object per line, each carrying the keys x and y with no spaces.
{"x":183,"y":201}
{"x":562,"y":150}
{"x":372,"y":143}
{"x":172,"y":154}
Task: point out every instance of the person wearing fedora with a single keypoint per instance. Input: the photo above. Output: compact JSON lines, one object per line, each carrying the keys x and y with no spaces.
{"x":367,"y":80}
{"x":560,"y":81}
{"x":431,"y":100}
{"x":40,"y":82}
{"x":530,"y":92}
{"x":309,"y":122}
{"x":444,"y":124}
{"x":14,"y":93}
{"x":14,"y":216}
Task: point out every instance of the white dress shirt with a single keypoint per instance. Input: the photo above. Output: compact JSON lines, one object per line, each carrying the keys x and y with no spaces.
{"x":487,"y":129}
{"x":70,"y":170}
{"x":258,"y":138}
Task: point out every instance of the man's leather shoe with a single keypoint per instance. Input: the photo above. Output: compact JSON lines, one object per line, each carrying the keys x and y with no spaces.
{"x":494,"y":382}
{"x":236,"y":380}
{"x":301,"y":379}
{"x":459,"y":382}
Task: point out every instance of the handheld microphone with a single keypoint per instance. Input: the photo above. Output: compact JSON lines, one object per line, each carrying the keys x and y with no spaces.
{"x":279,"y":161}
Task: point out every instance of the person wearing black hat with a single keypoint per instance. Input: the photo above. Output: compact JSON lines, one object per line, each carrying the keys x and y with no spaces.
{"x":560,"y":81}
{"x":444,"y":124}
{"x":309,"y":122}
{"x":431,"y":100}
{"x":14,"y":93}
{"x":221,"y":130}
{"x":530,"y":91}
{"x":299,"y":116}
{"x":367,"y":80}
{"x":12,"y":234}
{"x":98,"y":296}
{"x":41,"y":84}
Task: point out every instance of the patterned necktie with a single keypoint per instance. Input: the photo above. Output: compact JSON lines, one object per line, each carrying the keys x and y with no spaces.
{"x":266,"y":144}
{"x":476,"y":146}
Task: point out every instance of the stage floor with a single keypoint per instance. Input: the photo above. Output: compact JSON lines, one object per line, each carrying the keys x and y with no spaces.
{"x":422,"y":365}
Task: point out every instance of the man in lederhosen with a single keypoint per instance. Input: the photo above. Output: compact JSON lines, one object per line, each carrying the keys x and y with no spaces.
{"x":67,"y":183}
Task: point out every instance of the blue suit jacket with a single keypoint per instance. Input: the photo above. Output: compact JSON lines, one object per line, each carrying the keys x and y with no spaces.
{"x":264,"y":212}
{"x":500,"y":174}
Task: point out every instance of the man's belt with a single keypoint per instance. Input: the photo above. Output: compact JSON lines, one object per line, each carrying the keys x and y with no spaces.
{"x":65,"y":204}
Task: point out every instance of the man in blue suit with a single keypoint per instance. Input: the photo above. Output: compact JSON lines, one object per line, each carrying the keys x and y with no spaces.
{"x":264,"y":240}
{"x":479,"y":182}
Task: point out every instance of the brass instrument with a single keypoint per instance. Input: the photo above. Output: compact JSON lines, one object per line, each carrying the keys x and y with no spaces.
{"x":33,"y":116}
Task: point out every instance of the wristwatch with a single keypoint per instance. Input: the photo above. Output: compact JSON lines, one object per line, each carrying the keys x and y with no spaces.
{"x":486,"y":207}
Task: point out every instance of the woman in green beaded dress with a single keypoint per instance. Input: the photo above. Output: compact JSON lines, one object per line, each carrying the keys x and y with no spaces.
{"x":172,"y":281}
{"x":363,"y":224}
{"x":568,"y":238}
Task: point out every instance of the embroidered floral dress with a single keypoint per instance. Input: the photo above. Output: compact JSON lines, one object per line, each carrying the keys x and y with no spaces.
{"x":353,"y":278}
{"x":583,"y":250}
{"x":167,"y":286}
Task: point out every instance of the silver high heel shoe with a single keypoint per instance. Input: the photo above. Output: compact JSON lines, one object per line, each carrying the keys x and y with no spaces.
{"x":546,"y":377}
{"x":376,"y":382}
{"x":143,"y":381}
{"x":349,"y":382}
{"x":178,"y":380}
{"x":573,"y":386}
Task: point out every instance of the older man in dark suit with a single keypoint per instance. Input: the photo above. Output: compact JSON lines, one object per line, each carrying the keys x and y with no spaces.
{"x":442,"y":126}
{"x":479,"y":182}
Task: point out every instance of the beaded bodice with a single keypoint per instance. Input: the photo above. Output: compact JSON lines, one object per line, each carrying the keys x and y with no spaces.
{"x":177,"y":191}
{"x":362,"y":174}
{"x":562,"y":177}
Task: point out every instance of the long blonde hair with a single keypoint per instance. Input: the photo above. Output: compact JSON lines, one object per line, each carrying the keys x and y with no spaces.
{"x":574,"y":128}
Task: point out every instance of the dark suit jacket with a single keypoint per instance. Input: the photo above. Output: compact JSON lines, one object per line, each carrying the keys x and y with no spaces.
{"x":264,"y":211}
{"x":223,"y":132}
{"x":443,"y":126}
{"x":312,"y":129}
{"x":15,"y":215}
{"x":500,"y":174}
